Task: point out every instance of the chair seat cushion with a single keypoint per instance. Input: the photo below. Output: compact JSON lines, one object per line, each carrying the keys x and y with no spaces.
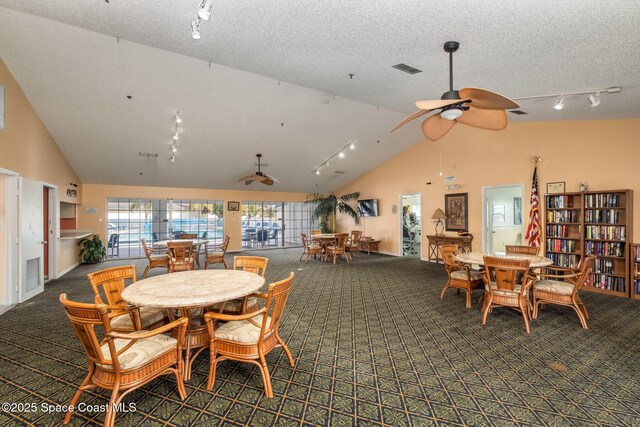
{"x":141,"y":352}
{"x":315,"y":247}
{"x":215,"y":254}
{"x":462,"y":275}
{"x":148,"y":316}
{"x":554,"y":286}
{"x":241,"y":331}
{"x":159,"y":257}
{"x":234,"y":305}
{"x":505,"y":292}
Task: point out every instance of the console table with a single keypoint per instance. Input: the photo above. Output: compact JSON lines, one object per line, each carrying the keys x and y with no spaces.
{"x":463,"y":242}
{"x":369,"y":246}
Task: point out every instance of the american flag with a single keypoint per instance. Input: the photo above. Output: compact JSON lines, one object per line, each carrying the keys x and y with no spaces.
{"x":533,"y":230}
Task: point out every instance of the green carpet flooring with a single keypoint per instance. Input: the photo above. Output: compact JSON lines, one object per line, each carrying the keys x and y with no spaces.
{"x":373,"y":346}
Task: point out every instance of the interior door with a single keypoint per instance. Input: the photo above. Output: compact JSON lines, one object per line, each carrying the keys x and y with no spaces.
{"x":31,"y":239}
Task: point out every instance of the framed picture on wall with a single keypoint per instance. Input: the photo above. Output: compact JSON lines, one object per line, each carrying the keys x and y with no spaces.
{"x":517,"y":211}
{"x":456,"y":211}
{"x":233,"y":206}
{"x":555,"y":187}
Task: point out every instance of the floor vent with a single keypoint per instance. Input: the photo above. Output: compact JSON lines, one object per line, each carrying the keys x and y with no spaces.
{"x":407,"y":69}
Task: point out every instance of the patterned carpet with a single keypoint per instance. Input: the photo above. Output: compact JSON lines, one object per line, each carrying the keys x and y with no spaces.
{"x":373,"y":346}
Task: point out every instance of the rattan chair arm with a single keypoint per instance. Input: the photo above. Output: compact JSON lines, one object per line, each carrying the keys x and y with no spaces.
{"x":257,"y":295}
{"x":229,"y":317}
{"x":148,"y":334}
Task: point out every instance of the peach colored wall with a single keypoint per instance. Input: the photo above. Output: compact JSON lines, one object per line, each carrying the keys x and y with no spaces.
{"x":604,"y":153}
{"x":95,"y":196}
{"x":27,"y":148}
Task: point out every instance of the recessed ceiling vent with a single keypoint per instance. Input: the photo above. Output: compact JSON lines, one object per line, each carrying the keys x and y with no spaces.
{"x":406,"y":68}
{"x":340,"y":172}
{"x":518,"y":112}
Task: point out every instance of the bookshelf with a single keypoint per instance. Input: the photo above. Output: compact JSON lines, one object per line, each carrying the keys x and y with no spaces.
{"x":635,"y":270}
{"x":594,"y":222}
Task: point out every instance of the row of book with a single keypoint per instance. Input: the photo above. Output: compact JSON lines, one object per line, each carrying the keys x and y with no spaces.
{"x":557,"y":230}
{"x":559,"y":202}
{"x":604,"y":266}
{"x":602,"y":200}
{"x":563,"y":216}
{"x":564,"y":260}
{"x":606,"y":232}
{"x":604,"y":248}
{"x":603,"y":281}
{"x":610,"y":216}
{"x":561,"y":245}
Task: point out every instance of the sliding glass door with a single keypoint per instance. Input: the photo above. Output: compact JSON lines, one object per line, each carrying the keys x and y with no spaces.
{"x":274,"y":224}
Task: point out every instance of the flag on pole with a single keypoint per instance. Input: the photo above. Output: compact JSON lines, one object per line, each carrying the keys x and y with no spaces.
{"x":533,"y":230}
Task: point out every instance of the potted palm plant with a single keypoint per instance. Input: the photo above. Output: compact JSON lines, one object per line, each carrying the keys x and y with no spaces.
{"x":92,"y":250}
{"x":328,"y":205}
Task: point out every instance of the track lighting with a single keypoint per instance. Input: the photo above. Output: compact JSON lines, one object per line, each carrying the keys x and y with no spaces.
{"x":594,"y":99}
{"x":341,"y":155}
{"x":352,"y":146}
{"x":178,"y":119}
{"x":174,"y":149}
{"x":176,"y":136}
{"x":317,"y":171}
{"x":559,"y":105}
{"x":204,"y":12}
{"x":195,"y":29}
{"x":172,"y":159}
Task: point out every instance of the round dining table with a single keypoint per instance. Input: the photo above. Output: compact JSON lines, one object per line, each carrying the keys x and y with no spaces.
{"x":162,"y":244}
{"x":477,"y":258}
{"x":187,"y":290}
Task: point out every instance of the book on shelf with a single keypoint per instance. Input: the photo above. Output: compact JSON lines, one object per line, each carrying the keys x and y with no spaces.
{"x":601,"y":200}
{"x":606,"y":232}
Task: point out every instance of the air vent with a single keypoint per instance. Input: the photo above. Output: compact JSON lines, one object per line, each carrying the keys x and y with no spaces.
{"x":518,"y":112}
{"x":144,"y":154}
{"x":407,"y":69}
{"x":261,"y":164}
{"x":340,"y":172}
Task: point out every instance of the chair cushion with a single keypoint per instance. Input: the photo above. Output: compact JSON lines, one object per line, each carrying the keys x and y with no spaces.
{"x":462,"y":275}
{"x":315,"y":247}
{"x":506,"y":292}
{"x":159,"y":257}
{"x":554,"y":286}
{"x":215,"y":254}
{"x":148,"y":316}
{"x":234,"y":305}
{"x":241,"y":330}
{"x":141,"y":352}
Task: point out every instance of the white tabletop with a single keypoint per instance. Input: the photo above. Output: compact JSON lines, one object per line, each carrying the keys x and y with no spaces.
{"x":196,"y":288}
{"x":478,"y":258}
{"x":163,"y":243}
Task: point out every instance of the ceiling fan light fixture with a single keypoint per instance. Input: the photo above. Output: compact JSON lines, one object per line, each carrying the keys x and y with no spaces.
{"x":204,"y":11}
{"x":594,"y":99}
{"x":559,"y":105}
{"x":451,"y":113}
{"x":195,"y":29}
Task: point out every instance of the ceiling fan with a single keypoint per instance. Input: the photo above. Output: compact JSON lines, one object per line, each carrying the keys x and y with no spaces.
{"x":258,"y":176}
{"x":470,"y":106}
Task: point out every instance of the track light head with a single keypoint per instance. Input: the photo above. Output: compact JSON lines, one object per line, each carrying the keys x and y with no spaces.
{"x":178,"y":118}
{"x":318,"y":171}
{"x":174,"y":149}
{"x":195,"y":29}
{"x":559,"y":105}
{"x":352,"y":146}
{"x":594,"y":99}
{"x":341,"y":155}
{"x":204,"y":11}
{"x":172,"y":159}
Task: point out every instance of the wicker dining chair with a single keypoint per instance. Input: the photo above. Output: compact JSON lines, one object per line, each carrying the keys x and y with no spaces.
{"x":250,"y":337}
{"x":562,"y":289}
{"x":109,"y":283}
{"x":337,"y":247}
{"x":122,"y":362}
{"x":515,"y":249}
{"x":352,"y":245}
{"x":155,"y":260}
{"x":216,"y":256}
{"x":251,"y":264}
{"x":182,"y":255}
{"x":502,"y":289}
{"x":310,"y":248}
{"x":460,"y":276}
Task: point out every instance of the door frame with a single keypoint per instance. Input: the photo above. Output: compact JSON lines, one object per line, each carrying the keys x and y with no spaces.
{"x":401,"y":219}
{"x":485,"y":225}
{"x":12,"y":247}
{"x":53,"y":229}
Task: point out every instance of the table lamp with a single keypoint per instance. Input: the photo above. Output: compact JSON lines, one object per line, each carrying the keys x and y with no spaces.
{"x":439,"y":215}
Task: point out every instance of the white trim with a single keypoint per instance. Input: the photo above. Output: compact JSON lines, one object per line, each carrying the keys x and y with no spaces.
{"x":401,"y":223}
{"x":66,"y":270}
{"x":12,"y":246}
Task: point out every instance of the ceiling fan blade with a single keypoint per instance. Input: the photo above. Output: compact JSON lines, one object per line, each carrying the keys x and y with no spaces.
{"x":435,"y":127}
{"x":267,"y":181}
{"x":244,"y":178}
{"x":259,"y":177}
{"x":272,"y":178}
{"x":249,"y":180}
{"x":438,"y":103}
{"x":481,"y":98}
{"x":408,"y":119}
{"x":484,"y":119}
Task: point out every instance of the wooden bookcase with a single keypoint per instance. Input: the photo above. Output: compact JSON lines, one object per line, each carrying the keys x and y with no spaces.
{"x":635,"y":270}
{"x":594,"y":222}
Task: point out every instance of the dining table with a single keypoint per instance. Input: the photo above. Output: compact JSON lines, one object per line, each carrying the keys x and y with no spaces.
{"x":192,"y":290}
{"x":477,"y":258}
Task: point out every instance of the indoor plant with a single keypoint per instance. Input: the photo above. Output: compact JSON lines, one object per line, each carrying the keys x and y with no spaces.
{"x":327,"y":205}
{"x":92,"y":250}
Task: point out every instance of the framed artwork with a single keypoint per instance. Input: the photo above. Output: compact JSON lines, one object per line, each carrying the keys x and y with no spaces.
{"x":233,"y":206}
{"x":517,"y":211}
{"x":456,"y":211}
{"x":498,"y":214}
{"x":555,"y":187}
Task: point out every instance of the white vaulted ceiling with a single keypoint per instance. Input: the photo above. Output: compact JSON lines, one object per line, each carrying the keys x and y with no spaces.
{"x":273,"y":77}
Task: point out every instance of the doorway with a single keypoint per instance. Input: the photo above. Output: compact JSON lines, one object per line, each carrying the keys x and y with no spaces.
{"x":502,"y":217}
{"x":411,"y":224}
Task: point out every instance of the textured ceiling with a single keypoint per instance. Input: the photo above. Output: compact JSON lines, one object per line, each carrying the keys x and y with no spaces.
{"x":78,"y":80}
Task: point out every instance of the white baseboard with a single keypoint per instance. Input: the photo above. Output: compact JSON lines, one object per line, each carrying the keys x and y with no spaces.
{"x":65,"y":271}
